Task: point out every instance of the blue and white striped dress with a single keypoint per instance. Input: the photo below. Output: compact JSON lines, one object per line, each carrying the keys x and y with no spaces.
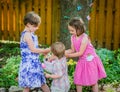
{"x":30,"y":72}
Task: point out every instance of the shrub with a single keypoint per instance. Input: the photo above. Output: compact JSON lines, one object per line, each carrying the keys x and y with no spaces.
{"x":9,"y":72}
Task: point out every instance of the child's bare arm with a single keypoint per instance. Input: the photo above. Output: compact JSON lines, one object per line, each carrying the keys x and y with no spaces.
{"x":53,"y":76}
{"x":28,"y":39}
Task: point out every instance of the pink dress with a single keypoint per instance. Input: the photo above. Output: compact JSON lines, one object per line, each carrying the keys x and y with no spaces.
{"x":89,"y":68}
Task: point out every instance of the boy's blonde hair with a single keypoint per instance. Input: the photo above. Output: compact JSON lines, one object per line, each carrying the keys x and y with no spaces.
{"x":58,"y":49}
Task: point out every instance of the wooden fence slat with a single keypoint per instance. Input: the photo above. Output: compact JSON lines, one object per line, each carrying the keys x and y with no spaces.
{"x":28,"y":4}
{"x":109,"y":23}
{"x":19,"y":22}
{"x":48,"y":23}
{"x":116,"y":36}
{"x":55,"y":20}
{"x":5,"y":33}
{"x":22,"y":14}
{"x":11,"y":20}
{"x":92,"y":23}
{"x":96,"y":30}
{"x":16,"y":11}
{"x":101,"y":23}
{"x":0,"y":20}
{"x":14,"y":21}
{"x":35,"y":6}
{"x":41,"y":35}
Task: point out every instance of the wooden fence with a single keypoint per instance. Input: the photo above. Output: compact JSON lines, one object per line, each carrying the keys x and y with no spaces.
{"x":104,"y":24}
{"x":13,"y":11}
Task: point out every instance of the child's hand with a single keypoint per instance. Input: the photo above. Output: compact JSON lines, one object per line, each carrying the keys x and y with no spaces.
{"x":47,"y":75}
{"x":68,"y":51}
{"x":52,"y":58}
{"x":47,"y":51}
{"x":44,"y":54}
{"x":67,"y":55}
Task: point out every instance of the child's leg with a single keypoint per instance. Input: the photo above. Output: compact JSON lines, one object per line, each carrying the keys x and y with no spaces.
{"x":95,"y":87}
{"x":45,"y":88}
{"x":26,"y":90}
{"x":79,"y":88}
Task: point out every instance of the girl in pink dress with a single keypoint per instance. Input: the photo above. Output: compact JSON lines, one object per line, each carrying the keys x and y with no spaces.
{"x":89,"y":68}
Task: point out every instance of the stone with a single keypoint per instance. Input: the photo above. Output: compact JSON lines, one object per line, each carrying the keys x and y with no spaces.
{"x":15,"y":89}
{"x":2,"y":89}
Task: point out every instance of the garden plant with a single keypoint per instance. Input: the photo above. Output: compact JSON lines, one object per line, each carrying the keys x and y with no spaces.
{"x":10,"y":60}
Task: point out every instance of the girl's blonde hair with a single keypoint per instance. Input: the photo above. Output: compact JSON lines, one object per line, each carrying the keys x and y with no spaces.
{"x":78,"y":24}
{"x":58,"y":49}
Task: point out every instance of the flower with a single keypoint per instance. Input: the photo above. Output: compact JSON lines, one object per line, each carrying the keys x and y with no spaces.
{"x":71,"y":62}
{"x":43,"y":65}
